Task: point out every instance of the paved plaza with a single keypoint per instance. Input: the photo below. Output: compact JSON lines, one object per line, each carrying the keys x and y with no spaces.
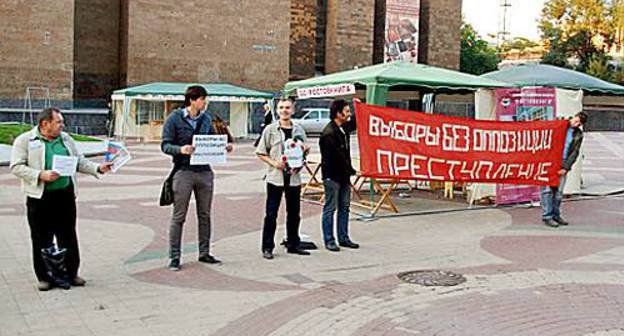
{"x":523,"y":278}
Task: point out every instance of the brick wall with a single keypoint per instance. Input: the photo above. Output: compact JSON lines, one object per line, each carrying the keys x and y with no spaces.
{"x":302,"y":38}
{"x":96,"y":51}
{"x":349,"y":41}
{"x":243,"y":42}
{"x":439,"y":39}
{"x":36,"y":48}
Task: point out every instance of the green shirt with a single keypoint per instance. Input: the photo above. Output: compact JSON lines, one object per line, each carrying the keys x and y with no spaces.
{"x":55,"y":147}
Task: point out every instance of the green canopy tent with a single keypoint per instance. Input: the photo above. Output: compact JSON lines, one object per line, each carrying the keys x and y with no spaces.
{"x":571,"y":88}
{"x":139,"y":111}
{"x":379,"y":79}
{"x":552,"y":76}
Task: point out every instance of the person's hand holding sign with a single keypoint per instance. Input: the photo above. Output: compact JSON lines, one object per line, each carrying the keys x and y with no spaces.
{"x":105,"y":167}
{"x":187,"y":150}
{"x":49,"y":176}
{"x":229,"y":148}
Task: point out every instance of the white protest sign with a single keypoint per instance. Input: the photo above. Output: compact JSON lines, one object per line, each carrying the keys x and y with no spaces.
{"x":209,"y":149}
{"x":326,"y":91}
{"x":64,"y":165}
{"x":294,"y":153}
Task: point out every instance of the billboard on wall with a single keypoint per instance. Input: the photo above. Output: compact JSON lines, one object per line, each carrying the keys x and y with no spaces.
{"x":523,"y":104}
{"x":401,"y":37}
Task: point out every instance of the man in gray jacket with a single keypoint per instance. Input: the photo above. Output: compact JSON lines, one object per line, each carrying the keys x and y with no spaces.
{"x":51,"y":198}
{"x":550,"y":196}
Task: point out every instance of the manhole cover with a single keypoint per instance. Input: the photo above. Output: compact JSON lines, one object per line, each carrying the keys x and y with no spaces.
{"x":432,"y":278}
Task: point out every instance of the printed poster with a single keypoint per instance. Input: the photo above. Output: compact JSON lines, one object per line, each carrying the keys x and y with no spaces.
{"x":401,"y":36}
{"x":523,"y":104}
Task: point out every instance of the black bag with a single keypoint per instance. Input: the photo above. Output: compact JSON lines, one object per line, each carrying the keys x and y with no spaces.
{"x":54,"y":260}
{"x":166,"y":193}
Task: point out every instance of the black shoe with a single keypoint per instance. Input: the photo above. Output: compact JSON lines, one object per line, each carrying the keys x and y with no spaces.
{"x":174,"y":265}
{"x":332,"y":247}
{"x":208,"y":259}
{"x":350,"y":244}
{"x":549,"y":222}
{"x":297,"y":250}
{"x":78,"y":281}
{"x":560,"y":221}
{"x":267,"y":254}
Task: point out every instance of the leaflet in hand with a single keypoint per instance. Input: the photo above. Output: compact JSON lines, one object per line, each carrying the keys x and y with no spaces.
{"x":209,"y":149}
{"x":118,"y":154}
{"x":64,"y":165}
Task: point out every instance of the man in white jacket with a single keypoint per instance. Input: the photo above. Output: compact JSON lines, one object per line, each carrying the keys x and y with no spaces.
{"x":51,"y":198}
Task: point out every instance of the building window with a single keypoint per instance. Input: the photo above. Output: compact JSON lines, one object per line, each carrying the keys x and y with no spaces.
{"x":148,"y":111}
{"x":321,"y":28}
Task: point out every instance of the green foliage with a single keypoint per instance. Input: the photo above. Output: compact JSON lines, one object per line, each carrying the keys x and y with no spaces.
{"x":579,"y":29}
{"x":10,"y":131}
{"x":518,"y":43}
{"x":618,"y":76}
{"x":477,"y":56}
{"x":599,"y":68}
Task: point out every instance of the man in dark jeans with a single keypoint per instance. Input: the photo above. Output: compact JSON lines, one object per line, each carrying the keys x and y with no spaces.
{"x":281,"y":180}
{"x":337,"y":171}
{"x":177,"y":139}
{"x":551,"y":195}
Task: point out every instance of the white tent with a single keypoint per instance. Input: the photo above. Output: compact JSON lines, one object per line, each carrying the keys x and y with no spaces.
{"x":140,"y":111}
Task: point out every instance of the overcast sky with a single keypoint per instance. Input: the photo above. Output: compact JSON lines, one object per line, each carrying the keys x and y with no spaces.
{"x":484,"y":16}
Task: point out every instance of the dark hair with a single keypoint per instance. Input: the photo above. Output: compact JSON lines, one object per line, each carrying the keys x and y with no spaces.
{"x":336,"y":107}
{"x":284,"y":98}
{"x":47,"y":114}
{"x":583,"y":117}
{"x":194,"y":92}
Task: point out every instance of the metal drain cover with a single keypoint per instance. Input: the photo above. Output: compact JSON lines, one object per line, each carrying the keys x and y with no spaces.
{"x":432,"y":278}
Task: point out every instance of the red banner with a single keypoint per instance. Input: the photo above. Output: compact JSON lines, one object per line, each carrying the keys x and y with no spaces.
{"x":412,"y":145}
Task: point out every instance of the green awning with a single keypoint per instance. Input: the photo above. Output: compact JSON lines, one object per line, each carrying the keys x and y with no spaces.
{"x":401,"y":75}
{"x":163,"y":89}
{"x":552,"y":76}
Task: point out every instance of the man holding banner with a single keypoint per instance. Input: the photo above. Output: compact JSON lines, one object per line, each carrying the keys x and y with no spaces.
{"x":337,"y":172}
{"x":188,"y":177}
{"x":550,"y":196}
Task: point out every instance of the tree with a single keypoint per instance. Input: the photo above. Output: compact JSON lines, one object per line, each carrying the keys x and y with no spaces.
{"x":579,"y":29}
{"x":477,"y":56}
{"x":598,"y":67}
{"x":518,"y":43}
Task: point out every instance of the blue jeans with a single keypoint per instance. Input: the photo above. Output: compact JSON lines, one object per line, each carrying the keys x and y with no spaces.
{"x":550,"y":198}
{"x":337,"y":196}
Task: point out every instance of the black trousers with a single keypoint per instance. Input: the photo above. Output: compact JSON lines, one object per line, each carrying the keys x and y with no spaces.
{"x":274,"y":198}
{"x":53,"y":216}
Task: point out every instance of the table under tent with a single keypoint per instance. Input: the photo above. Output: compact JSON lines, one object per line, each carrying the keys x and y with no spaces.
{"x":534,"y":82}
{"x":140,"y":111}
{"x":376,"y":85}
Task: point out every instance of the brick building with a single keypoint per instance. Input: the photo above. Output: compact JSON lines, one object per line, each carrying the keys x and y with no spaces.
{"x":81,"y":50}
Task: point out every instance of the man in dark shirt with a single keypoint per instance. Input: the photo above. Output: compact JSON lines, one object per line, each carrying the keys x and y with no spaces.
{"x":177,"y":139}
{"x":337,"y":171}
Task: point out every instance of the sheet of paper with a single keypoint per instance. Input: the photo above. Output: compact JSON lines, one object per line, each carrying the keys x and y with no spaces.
{"x":64,"y":165}
{"x":209,"y":149}
{"x":118,"y":154}
{"x":293,"y":151}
